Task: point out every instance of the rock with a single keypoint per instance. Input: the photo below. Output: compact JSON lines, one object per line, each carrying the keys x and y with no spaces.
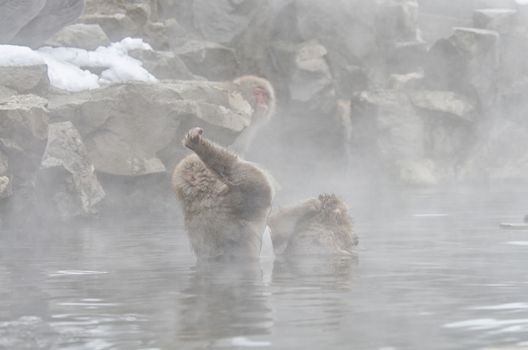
{"x":66,"y":180}
{"x":385,"y":122}
{"x":209,"y":60}
{"x":5,"y":93}
{"x":418,"y":173}
{"x":406,"y":57}
{"x":5,"y":182}
{"x":15,"y":14}
{"x":116,"y":26}
{"x":397,"y":21}
{"x":83,"y":36}
{"x":418,"y":135}
{"x":304,"y":70}
{"x":220,"y":21}
{"x":163,"y":64}
{"x":499,"y":155}
{"x":495,"y":4}
{"x":499,"y":20}
{"x":445,"y":102}
{"x":55,"y":15}
{"x":26,"y":79}
{"x":23,"y":135}
{"x":129,"y":128}
{"x":5,"y":189}
{"x":410,"y":81}
{"x":466,"y":63}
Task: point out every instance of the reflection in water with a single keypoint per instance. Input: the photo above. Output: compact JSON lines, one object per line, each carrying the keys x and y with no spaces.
{"x":310,"y":294}
{"x":225,"y":301}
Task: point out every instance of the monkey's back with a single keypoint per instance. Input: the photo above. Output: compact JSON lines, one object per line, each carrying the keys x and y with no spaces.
{"x":211,"y":212}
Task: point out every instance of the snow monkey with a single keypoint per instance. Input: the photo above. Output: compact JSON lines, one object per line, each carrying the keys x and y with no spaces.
{"x":226,"y":200}
{"x":317,"y":226}
{"x":261,"y":96}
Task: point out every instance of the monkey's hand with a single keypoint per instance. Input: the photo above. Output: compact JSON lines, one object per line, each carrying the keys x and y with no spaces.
{"x":193,"y":138}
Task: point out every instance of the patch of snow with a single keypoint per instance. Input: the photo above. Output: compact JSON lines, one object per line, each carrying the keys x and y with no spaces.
{"x":67,"y":67}
{"x":18,"y":56}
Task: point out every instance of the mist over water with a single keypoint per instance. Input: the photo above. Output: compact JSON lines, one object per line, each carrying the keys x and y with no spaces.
{"x":419,"y":127}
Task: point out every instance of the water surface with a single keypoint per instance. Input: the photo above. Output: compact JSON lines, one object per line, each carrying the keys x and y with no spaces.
{"x":434,"y":272}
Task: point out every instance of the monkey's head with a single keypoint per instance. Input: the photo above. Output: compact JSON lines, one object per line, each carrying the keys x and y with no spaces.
{"x":259,"y":93}
{"x":334,"y":210}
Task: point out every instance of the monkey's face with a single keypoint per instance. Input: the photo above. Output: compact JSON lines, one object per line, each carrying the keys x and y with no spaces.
{"x":262,"y":98}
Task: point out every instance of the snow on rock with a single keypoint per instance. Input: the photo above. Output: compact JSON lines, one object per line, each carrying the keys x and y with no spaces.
{"x":12,"y":56}
{"x":68,"y":67}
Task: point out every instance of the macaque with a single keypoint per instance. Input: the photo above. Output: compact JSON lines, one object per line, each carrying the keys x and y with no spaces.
{"x":261,"y":96}
{"x":226,"y":200}
{"x":318,"y":226}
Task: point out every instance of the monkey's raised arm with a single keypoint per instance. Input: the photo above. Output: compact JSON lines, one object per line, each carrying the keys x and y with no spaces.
{"x":217,"y":159}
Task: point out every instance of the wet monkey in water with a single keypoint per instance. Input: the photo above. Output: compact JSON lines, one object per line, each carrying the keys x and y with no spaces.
{"x":226,"y":200}
{"x":317,"y":226}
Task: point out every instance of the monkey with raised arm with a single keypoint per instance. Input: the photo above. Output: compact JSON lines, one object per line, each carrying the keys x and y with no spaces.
{"x":226,"y":200}
{"x":318,"y":226}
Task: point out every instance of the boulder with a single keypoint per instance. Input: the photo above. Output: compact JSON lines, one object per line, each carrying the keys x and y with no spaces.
{"x":5,"y":188}
{"x":304,"y":73}
{"x":209,"y":60}
{"x":467,"y":63}
{"x":499,"y":20}
{"x":15,"y":14}
{"x":221,"y":21}
{"x":163,"y":64}
{"x":26,"y":79}
{"x":397,"y":20}
{"x":410,"y":81}
{"x":66,"y":179}
{"x":419,"y":135}
{"x":83,"y":36}
{"x":129,"y":128}
{"x":5,"y":182}
{"x":500,"y":154}
{"x":6,"y":92}
{"x":444,"y":102}
{"x":23,"y":135}
{"x":116,"y":26}
{"x":55,"y":15}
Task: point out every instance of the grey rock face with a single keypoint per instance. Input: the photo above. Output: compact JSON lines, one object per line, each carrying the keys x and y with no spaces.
{"x":209,"y":60}
{"x":127,"y":129}
{"x":116,"y":26}
{"x":163,"y":64}
{"x":15,"y":14}
{"x":55,"y":15}
{"x":5,"y":181}
{"x":83,"y":36}
{"x":499,"y":20}
{"x":23,"y":135}
{"x":467,"y":63}
{"x":219,"y":21}
{"x":66,"y":179}
{"x":25,"y":79}
{"x":417,"y":134}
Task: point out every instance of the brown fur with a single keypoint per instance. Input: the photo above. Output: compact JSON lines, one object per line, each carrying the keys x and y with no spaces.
{"x":319,"y":226}
{"x":225,"y":200}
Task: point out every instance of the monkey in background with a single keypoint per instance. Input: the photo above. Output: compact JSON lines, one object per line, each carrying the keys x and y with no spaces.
{"x":317,"y":226}
{"x":261,"y":96}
